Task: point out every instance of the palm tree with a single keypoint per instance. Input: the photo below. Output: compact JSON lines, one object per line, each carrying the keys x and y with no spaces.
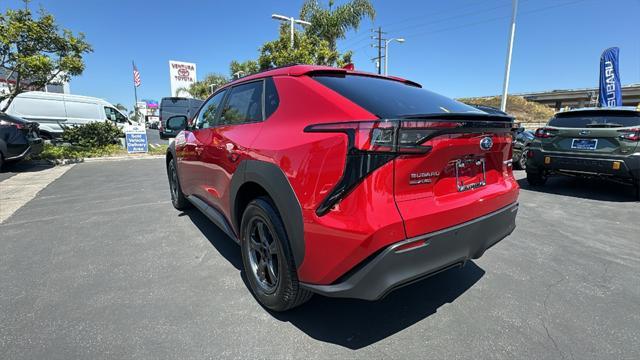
{"x":332,"y":24}
{"x":203,"y":88}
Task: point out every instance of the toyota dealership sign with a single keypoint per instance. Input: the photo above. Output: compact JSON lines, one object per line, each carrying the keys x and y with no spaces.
{"x":182,"y":75}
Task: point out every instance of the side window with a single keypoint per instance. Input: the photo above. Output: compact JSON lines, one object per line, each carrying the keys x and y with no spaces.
{"x":244,"y":104}
{"x":207,"y":115}
{"x":271,"y":99}
{"x":114,"y":115}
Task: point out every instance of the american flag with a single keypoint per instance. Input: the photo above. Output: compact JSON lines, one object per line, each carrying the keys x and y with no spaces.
{"x":136,"y":76}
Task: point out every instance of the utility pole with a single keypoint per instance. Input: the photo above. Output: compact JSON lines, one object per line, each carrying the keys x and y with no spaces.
{"x":379,"y":39}
{"x":507,"y":69}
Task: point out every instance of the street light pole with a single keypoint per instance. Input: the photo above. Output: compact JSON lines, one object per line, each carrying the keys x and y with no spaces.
{"x":507,"y":70}
{"x":386,"y":53}
{"x":292,"y":22}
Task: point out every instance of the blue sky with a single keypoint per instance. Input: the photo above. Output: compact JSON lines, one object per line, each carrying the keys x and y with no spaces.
{"x":454,"y":47}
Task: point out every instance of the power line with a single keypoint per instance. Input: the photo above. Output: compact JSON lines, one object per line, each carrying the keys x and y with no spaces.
{"x":493,"y":19}
{"x":431,"y":22}
{"x":362,"y":37}
{"x":409,"y":19}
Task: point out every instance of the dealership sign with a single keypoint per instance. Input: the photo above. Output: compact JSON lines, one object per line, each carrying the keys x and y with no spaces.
{"x":182,"y":75}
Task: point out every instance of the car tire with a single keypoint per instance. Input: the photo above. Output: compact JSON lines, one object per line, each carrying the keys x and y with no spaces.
{"x":178,"y":199}
{"x":267,"y":260}
{"x":1,"y":161}
{"x":536,"y":179}
{"x":522,"y":160}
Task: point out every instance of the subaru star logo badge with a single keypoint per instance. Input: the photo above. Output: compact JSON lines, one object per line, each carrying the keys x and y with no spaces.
{"x":486,"y":143}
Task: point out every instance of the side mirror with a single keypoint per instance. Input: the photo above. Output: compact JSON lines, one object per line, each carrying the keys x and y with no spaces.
{"x":177,"y":123}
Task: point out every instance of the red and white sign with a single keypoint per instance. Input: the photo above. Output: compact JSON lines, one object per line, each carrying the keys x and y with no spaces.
{"x":182,"y":75}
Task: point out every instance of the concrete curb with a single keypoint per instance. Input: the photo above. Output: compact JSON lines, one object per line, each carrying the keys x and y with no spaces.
{"x":96,"y":159}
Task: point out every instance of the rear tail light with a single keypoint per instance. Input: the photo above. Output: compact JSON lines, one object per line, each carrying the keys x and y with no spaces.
{"x":7,"y":123}
{"x":385,"y":136}
{"x":371,"y":144}
{"x":630,"y":134}
{"x":544,"y":133}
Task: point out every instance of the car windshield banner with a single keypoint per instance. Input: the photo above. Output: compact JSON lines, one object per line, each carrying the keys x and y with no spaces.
{"x":610,"y":91}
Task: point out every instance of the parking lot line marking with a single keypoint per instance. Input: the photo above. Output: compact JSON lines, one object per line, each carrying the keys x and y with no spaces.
{"x":21,"y":188}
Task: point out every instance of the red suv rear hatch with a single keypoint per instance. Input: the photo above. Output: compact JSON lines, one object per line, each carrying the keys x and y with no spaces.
{"x":466,"y":174}
{"x":452,"y":162}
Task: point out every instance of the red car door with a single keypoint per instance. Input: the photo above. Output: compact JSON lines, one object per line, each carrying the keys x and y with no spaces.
{"x":195,"y":164}
{"x":236,"y":127}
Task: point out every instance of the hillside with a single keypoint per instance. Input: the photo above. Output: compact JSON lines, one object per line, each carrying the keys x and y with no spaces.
{"x":525,"y":111}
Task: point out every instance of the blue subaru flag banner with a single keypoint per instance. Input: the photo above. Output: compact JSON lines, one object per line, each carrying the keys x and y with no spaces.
{"x":610,"y":91}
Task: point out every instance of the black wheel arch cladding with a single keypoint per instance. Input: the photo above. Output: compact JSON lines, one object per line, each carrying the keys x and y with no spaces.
{"x":275,"y":183}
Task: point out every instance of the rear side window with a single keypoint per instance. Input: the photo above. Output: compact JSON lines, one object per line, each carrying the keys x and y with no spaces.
{"x":390,"y":99}
{"x":271,"y":99}
{"x":595,"y":121}
{"x":244,"y":104}
{"x":179,"y":102}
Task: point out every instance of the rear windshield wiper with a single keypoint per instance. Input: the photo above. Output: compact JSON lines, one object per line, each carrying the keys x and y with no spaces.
{"x":604,"y":125}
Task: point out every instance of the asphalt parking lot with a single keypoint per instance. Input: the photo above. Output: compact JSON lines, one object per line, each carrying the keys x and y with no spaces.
{"x":100,"y":265}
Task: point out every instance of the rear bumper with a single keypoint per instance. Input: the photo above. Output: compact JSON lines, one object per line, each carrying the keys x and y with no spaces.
{"x":36,"y":145}
{"x":628,"y":167}
{"x":397,"y":265}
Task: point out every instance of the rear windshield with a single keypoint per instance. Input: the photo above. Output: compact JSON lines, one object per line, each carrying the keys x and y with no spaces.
{"x":177,"y":102}
{"x":391,"y":99}
{"x":589,"y":121}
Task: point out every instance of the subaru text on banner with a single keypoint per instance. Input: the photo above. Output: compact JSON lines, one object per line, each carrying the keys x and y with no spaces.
{"x":344,"y":183}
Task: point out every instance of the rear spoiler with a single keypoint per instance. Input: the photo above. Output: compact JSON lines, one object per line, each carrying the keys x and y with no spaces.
{"x":329,"y":71}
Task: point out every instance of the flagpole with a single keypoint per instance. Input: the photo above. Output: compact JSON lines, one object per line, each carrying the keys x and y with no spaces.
{"x":507,"y":68}
{"x":135,"y":94}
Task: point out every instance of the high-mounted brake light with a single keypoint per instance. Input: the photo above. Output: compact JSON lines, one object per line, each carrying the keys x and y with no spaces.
{"x":630,"y":134}
{"x":371,"y":144}
{"x":544,"y":133}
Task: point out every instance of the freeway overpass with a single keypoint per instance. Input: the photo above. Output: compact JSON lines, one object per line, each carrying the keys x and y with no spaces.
{"x":574,"y":98}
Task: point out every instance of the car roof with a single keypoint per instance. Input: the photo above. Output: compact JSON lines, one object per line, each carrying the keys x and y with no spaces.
{"x":12,"y":118}
{"x":619,"y":110}
{"x":62,"y":97}
{"x":300,"y":70}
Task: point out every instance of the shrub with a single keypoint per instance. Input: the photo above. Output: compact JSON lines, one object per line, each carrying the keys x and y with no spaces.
{"x":524,"y":110}
{"x":92,"y":135}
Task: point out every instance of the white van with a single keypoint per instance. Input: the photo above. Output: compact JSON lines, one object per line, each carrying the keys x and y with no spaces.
{"x":51,"y":110}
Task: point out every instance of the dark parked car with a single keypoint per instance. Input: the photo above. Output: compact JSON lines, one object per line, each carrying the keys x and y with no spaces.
{"x":172,"y":106}
{"x":343,"y":183}
{"x":521,"y":142}
{"x":590,"y":142}
{"x":18,"y":138}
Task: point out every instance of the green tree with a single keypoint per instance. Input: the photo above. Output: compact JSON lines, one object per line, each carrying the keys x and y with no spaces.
{"x":35,"y":52}
{"x":308,"y":49}
{"x":240,"y":69}
{"x":203,"y":88}
{"x":121,"y":108}
{"x":332,"y":23}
